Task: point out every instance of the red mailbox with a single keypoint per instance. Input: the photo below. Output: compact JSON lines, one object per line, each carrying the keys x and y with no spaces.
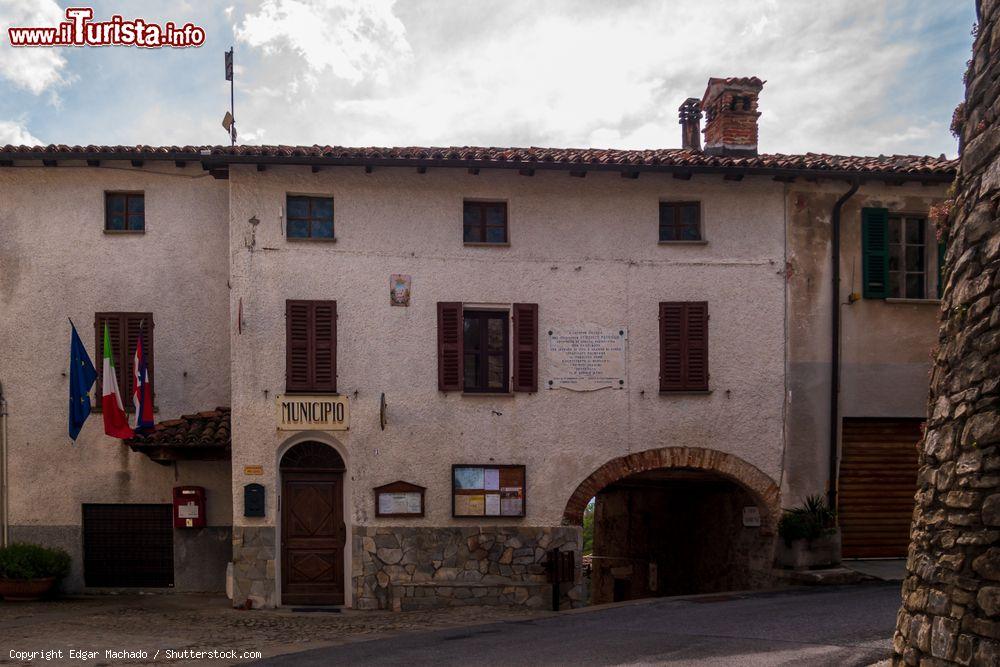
{"x":189,"y":507}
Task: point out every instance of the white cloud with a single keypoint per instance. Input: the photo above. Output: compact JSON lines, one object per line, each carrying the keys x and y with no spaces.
{"x":353,"y":40}
{"x":16,"y":134}
{"x":34,"y":69}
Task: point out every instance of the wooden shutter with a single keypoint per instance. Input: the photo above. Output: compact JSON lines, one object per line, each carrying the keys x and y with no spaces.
{"x":684,"y":346}
{"x":875,"y":252}
{"x":123,"y":332}
{"x":525,"y":347}
{"x":311,"y":346}
{"x":450,"y":328}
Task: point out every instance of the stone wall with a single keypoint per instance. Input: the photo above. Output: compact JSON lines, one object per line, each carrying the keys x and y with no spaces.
{"x":254,"y":579}
{"x":403,"y":568}
{"x":951,"y":594}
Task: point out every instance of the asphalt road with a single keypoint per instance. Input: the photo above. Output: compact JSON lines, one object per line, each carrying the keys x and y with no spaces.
{"x":843,"y":625}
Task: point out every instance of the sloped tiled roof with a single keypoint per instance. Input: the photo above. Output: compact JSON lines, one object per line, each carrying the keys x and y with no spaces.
{"x":209,"y":430}
{"x":532,"y":157}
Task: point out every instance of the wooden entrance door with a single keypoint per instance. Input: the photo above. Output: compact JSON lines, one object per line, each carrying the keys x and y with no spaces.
{"x":312,"y":538}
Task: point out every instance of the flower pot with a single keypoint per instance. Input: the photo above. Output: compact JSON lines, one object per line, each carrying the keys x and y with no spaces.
{"x":22,"y":590}
{"x":806,"y":554}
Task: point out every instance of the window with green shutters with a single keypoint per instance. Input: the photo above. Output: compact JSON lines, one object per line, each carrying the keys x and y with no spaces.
{"x":875,"y":252}
{"x":896,"y":255}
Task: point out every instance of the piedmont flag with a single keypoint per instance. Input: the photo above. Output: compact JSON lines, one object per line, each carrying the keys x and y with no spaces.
{"x":81,"y":378}
{"x":142,"y":392}
{"x":115,"y":422}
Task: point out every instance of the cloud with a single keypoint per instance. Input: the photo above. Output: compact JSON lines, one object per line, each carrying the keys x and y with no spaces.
{"x":34,"y":69}
{"x":353,"y":40}
{"x":16,"y":134}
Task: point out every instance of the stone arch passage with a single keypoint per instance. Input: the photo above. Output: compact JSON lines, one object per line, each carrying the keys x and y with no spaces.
{"x":762,"y":487}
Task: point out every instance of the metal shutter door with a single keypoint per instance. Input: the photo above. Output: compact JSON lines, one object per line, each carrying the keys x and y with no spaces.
{"x":128,"y":546}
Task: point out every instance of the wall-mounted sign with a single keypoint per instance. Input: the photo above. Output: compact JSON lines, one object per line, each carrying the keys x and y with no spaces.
{"x":253,"y":470}
{"x":487,"y":490}
{"x":399,"y":499}
{"x":399,"y":290}
{"x":585,"y":358}
{"x":317,"y":413}
{"x":751,"y":516}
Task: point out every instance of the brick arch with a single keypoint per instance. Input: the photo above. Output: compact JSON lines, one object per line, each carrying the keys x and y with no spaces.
{"x":733,"y":468}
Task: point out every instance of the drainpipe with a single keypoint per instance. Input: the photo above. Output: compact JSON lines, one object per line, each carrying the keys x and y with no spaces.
{"x":831,"y":494}
{"x":4,"y":517}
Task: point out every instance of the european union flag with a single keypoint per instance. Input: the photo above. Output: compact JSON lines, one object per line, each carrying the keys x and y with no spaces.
{"x":81,"y":378}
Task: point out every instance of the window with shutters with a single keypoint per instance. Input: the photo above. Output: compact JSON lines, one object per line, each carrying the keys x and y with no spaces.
{"x":680,"y":221}
{"x":309,"y":218}
{"x":487,"y":351}
{"x":683,"y":346}
{"x":897,"y":256}
{"x":124,"y":212}
{"x":485,"y":222}
{"x":311,"y":346}
{"x":123,"y":333}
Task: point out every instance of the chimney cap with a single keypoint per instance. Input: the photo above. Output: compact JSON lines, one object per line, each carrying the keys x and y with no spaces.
{"x":718,"y":84}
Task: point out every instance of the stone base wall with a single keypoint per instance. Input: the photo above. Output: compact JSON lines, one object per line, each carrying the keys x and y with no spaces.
{"x":404,"y":568}
{"x":254,"y":577}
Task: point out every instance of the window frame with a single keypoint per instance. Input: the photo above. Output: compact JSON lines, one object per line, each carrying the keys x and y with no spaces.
{"x":311,"y":218}
{"x":128,"y":195}
{"x":678,"y":206}
{"x":903,"y":217}
{"x":483,"y":205}
{"x":483,"y":354}
{"x":123,"y":358}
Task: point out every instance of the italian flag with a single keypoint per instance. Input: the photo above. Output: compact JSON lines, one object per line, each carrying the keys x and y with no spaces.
{"x":115,"y":422}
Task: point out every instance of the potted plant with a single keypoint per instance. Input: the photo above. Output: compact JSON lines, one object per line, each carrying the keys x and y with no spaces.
{"x":29,"y":571}
{"x":809,"y":536}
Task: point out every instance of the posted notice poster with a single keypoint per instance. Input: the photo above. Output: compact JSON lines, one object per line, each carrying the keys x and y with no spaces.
{"x":488,"y":490}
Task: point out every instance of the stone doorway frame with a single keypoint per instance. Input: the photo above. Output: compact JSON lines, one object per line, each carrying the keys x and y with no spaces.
{"x":765,"y":492}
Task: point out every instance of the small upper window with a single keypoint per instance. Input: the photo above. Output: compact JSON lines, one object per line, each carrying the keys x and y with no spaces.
{"x":907,"y":257}
{"x":485,"y":222}
{"x":124,"y":212}
{"x":680,"y":221}
{"x":310,"y":217}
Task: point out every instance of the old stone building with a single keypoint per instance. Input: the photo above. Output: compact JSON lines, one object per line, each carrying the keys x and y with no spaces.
{"x":951,"y":594}
{"x":401,"y":374}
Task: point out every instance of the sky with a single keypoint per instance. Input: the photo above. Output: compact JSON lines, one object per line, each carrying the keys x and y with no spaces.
{"x":861,"y":77}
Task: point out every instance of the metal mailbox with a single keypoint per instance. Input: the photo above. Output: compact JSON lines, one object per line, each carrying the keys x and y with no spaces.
{"x":189,"y":507}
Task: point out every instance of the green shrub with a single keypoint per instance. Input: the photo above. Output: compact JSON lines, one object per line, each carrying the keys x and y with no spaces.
{"x":814,"y":519}
{"x":31,"y":561}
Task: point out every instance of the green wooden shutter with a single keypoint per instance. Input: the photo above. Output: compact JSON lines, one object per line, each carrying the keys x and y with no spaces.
{"x":875,"y":252}
{"x":942,"y":251}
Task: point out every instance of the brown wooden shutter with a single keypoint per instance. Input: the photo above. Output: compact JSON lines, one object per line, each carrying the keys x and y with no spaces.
{"x":450,"y":328}
{"x":114,"y":323}
{"x":325,"y":337}
{"x":123,"y":332}
{"x":684,"y":346}
{"x":297,"y":353}
{"x":525,"y":347}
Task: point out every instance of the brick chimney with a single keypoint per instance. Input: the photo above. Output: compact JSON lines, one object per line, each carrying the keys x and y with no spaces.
{"x":730,"y":107}
{"x":689,"y":113}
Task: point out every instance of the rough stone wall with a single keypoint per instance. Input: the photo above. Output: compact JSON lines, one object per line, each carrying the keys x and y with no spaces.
{"x":951,"y":595}
{"x":254,"y":577}
{"x":404,"y":568}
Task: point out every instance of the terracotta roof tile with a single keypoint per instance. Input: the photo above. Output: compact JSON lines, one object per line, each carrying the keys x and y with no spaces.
{"x":203,"y":429}
{"x":461,"y":156}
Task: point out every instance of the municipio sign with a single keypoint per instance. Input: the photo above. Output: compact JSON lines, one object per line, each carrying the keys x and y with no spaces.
{"x":317,"y":413}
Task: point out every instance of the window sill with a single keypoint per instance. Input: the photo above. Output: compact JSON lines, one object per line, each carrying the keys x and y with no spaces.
{"x":297,"y":239}
{"x":478,"y":244}
{"x":489,"y":394}
{"x":915,"y":302}
{"x":698,"y":242}
{"x":124,"y":232}
{"x":686,"y":392}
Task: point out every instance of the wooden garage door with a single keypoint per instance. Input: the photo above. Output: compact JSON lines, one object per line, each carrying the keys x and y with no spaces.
{"x":128,"y":546}
{"x":878,"y":479}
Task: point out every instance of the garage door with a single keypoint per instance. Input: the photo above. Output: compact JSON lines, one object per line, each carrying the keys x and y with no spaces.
{"x":128,"y":546}
{"x":878,"y":479}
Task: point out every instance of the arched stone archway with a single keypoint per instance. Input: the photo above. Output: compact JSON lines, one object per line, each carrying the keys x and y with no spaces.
{"x":726,"y":465}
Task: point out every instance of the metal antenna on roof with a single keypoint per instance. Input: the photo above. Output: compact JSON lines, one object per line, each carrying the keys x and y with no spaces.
{"x":229,"y":120}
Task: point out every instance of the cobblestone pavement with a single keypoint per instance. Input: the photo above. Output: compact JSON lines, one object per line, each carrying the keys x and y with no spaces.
{"x":207,"y":623}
